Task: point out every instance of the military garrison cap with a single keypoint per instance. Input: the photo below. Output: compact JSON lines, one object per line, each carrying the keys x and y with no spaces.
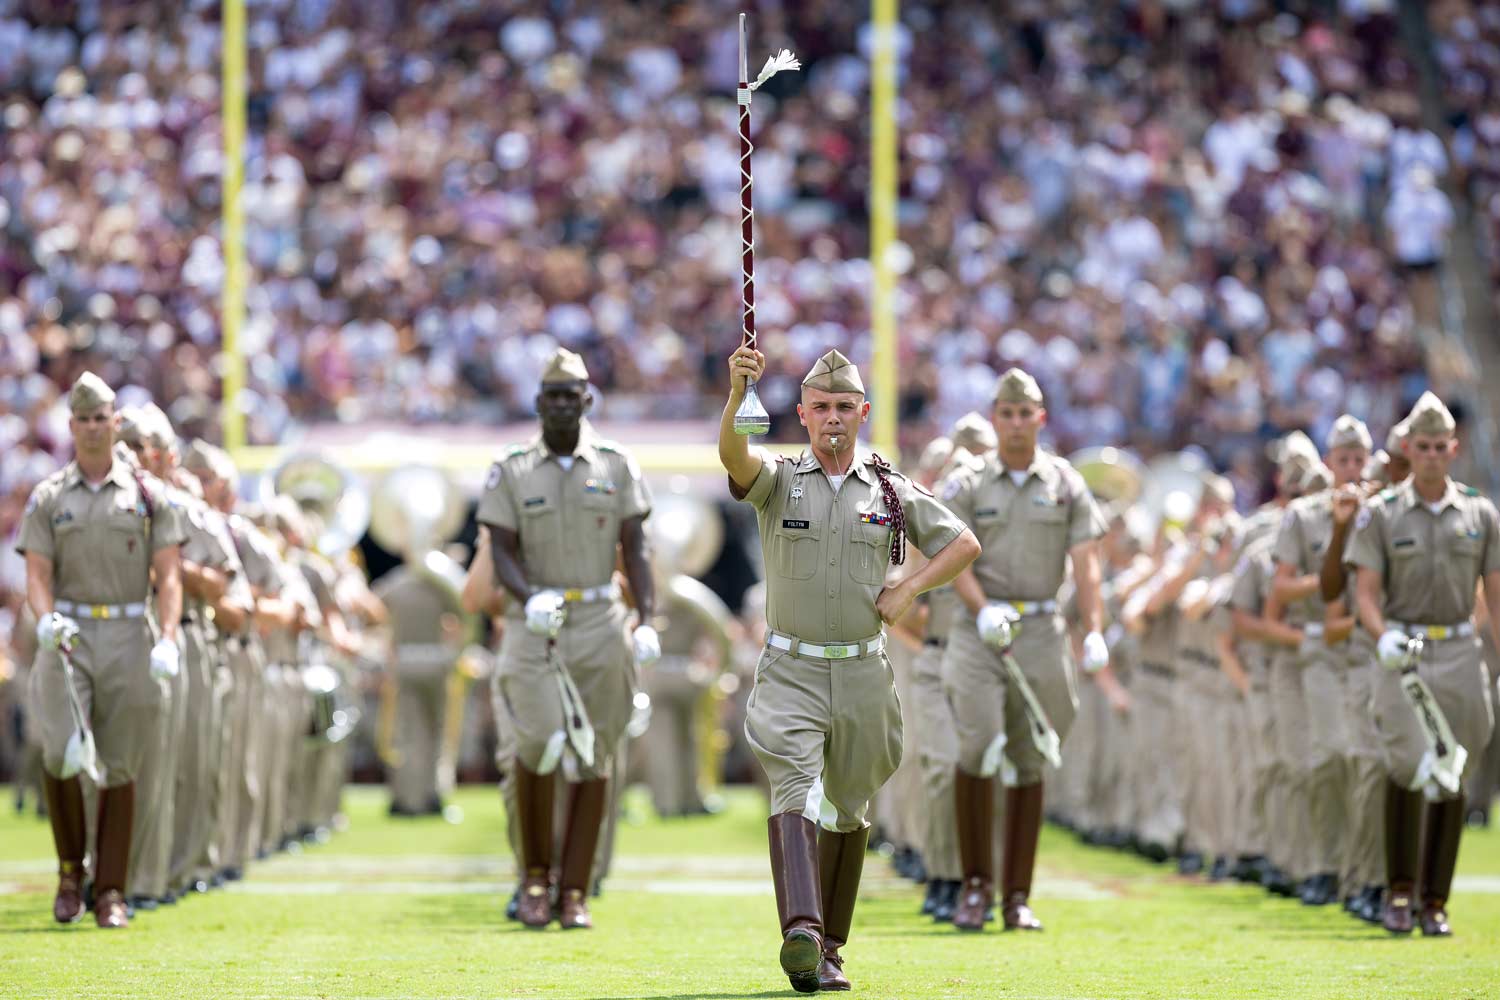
{"x":132,"y":427}
{"x":1396,"y":436}
{"x":89,"y":393}
{"x":936,"y":454}
{"x":1349,"y":431}
{"x":1015,"y":386}
{"x":564,"y":367}
{"x":834,"y":373}
{"x":1297,"y":453}
{"x":157,"y":426}
{"x":1317,"y":478}
{"x":1430,"y":417}
{"x":974,"y":433}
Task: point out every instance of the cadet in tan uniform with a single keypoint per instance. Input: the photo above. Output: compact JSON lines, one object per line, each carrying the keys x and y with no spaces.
{"x":558,"y":511}
{"x":1420,"y":549}
{"x":823,"y":718}
{"x":1321,"y":771}
{"x":424,"y":626}
{"x":1363,"y":869}
{"x":241,"y":782}
{"x":1033,"y":513}
{"x":934,"y":738}
{"x":92,"y":535}
{"x":695,"y":648}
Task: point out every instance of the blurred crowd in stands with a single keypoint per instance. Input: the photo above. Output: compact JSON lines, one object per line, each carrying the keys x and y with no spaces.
{"x":1196,"y":221}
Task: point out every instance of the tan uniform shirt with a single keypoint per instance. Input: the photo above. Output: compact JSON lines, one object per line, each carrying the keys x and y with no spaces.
{"x":1263,"y":523}
{"x":417,"y":606}
{"x":1252,"y":576}
{"x":100,"y":541}
{"x":1301,"y":540}
{"x":257,"y":554}
{"x":1429,"y":561}
{"x":826,"y":552}
{"x":203,"y":545}
{"x":568,"y":519}
{"x":943,"y":604}
{"x":1026,"y":530}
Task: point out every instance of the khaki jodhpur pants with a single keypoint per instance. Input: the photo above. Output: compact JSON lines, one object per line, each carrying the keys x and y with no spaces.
{"x":827,"y":732}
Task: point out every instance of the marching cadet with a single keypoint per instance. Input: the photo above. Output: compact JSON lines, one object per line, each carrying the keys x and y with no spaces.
{"x":1259,"y":639}
{"x":692,"y":622}
{"x":823,"y":717}
{"x":425,"y":626}
{"x":1114,"y":776}
{"x":1152,"y":615}
{"x":93,"y":536}
{"x":241,"y":780}
{"x":558,"y":510}
{"x":1320,"y":764}
{"x":1420,"y":548}
{"x":1034,"y":514}
{"x":1089,"y":778}
{"x":1210,"y":681}
{"x":934,"y":737}
{"x":1364,"y":847}
{"x":1278,"y":719}
{"x":156,"y":783}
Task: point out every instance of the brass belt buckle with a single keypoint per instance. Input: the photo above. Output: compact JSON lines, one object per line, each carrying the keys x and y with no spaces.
{"x":836,"y":652}
{"x":99,"y":611}
{"x":573,"y":595}
{"x":1438,"y":632}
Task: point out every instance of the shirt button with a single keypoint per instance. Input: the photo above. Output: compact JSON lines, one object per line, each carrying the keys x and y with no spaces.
{"x":832,"y":593}
{"x":833,"y":562}
{"x":835,"y":529}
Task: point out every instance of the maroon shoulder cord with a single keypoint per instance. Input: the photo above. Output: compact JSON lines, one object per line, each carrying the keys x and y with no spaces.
{"x":898,"y":516}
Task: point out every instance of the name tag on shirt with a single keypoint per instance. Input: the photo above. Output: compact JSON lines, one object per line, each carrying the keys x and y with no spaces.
{"x":1403,"y":543}
{"x":792,"y":522}
{"x":533,"y":501}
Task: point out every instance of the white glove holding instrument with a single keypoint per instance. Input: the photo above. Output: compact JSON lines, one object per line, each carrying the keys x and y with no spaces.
{"x":56,"y":631}
{"x":997,"y":624}
{"x":1392,"y":649}
{"x":166,"y":659}
{"x":545,"y":611}
{"x":647,"y":645}
{"x":1095,"y":653}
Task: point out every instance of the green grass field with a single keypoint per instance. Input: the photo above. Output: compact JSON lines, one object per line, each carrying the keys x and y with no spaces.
{"x":413,"y":909}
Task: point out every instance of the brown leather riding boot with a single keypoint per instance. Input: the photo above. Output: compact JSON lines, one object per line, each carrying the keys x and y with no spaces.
{"x":794,"y":872}
{"x":1023,"y":825}
{"x":1403,"y":819}
{"x":534,"y":814}
{"x":116,"y":819}
{"x":585,"y":816}
{"x":974,"y":800}
{"x":841,"y":860}
{"x":1445,"y":822}
{"x":65,"y":810}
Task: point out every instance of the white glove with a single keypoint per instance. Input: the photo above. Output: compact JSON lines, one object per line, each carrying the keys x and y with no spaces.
{"x":545,"y":611}
{"x":1392,"y":649}
{"x":647,"y":645}
{"x":165,"y":660}
{"x":56,"y":631}
{"x":997,"y":624}
{"x":1095,"y":653}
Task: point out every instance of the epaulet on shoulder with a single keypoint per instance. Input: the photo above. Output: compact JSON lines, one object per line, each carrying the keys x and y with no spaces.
{"x":512,"y":451}
{"x":1389,"y":496}
{"x":610,"y":446}
{"x":1470,"y":491}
